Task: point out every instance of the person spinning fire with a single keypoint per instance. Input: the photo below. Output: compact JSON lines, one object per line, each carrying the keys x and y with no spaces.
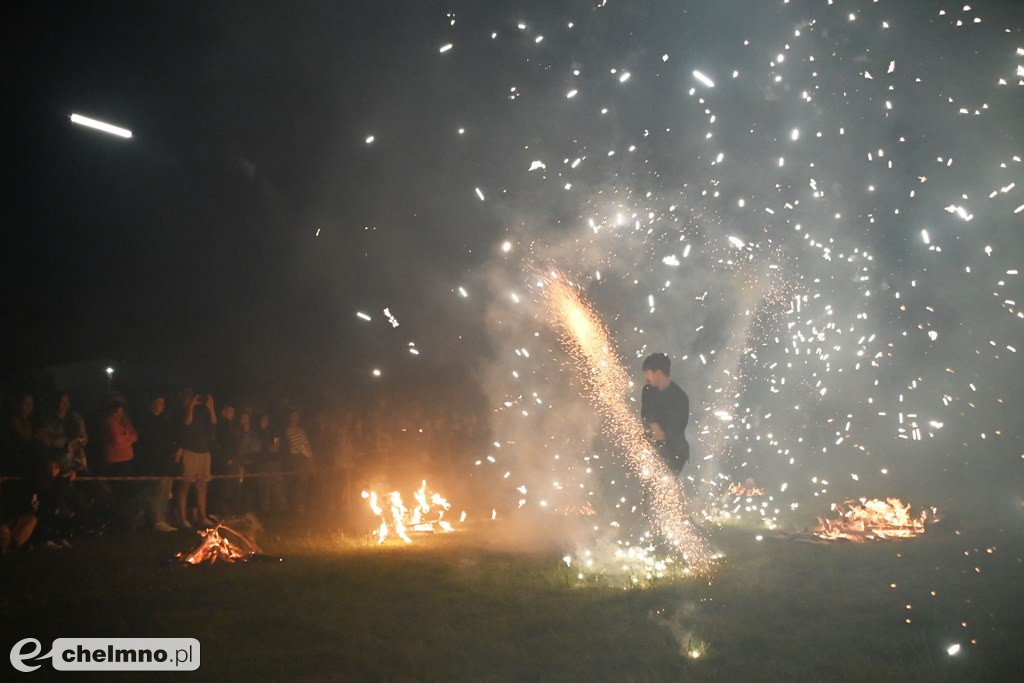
{"x":665,"y":410}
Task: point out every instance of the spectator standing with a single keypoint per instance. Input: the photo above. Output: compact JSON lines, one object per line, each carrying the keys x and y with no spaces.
{"x":119,"y":438}
{"x":155,"y":455}
{"x":63,"y":434}
{"x":227,"y":492}
{"x":249,"y":448}
{"x":24,"y":448}
{"x":301,"y":459}
{"x":195,"y":440}
{"x":271,"y":464}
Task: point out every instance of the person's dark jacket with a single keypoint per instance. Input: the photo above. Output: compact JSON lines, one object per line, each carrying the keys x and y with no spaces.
{"x":154,"y":451}
{"x":671,"y":410}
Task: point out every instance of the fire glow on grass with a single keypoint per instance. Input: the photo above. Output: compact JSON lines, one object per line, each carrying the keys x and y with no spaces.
{"x":874,"y":519}
{"x":425,"y":517}
{"x":587,"y":340}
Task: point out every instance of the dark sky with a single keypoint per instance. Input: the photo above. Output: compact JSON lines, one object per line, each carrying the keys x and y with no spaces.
{"x":195,"y":240}
{"x":193,"y":244}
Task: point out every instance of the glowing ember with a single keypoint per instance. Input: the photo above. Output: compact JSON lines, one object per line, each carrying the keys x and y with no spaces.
{"x":216,"y":546}
{"x":426,"y":516}
{"x":747,"y":488}
{"x":585,"y":510}
{"x":872,"y":520}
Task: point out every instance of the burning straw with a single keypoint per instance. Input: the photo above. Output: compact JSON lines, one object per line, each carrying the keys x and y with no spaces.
{"x":425,"y":517}
{"x":872,"y":520}
{"x":218,"y":546}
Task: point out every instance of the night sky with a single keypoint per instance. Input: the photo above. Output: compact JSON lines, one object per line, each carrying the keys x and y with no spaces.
{"x":194,"y":242}
{"x":193,"y":246}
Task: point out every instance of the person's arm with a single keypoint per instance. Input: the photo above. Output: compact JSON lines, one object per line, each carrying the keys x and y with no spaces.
{"x":657,"y":433}
{"x":210,"y":409}
{"x":83,"y":436}
{"x":129,"y":429}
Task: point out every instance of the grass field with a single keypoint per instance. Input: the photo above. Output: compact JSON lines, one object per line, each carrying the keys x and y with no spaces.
{"x":458,"y":608}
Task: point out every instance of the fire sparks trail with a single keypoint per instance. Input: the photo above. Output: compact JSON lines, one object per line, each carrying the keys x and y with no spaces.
{"x":873,"y":520}
{"x":589,"y":343}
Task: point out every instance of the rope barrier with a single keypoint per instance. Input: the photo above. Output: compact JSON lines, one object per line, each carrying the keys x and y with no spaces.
{"x":155,"y":477}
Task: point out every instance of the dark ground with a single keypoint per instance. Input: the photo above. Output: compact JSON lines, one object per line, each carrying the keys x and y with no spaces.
{"x":460,"y":608}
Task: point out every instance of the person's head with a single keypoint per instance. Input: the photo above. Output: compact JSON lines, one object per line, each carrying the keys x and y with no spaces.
{"x":245,"y":422}
{"x":264,"y":421}
{"x":52,"y":468}
{"x":63,"y":404}
{"x":293,"y":418}
{"x":116,"y":410}
{"x":157,"y":405}
{"x":228,"y":413}
{"x":657,"y":370}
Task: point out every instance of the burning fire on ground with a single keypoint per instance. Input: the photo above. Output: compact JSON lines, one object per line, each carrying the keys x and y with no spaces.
{"x":217,"y":546}
{"x":872,"y":520}
{"x":425,"y":517}
{"x":746,"y":489}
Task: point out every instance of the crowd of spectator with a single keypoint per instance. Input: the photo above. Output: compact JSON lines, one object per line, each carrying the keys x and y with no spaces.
{"x":173,"y":461}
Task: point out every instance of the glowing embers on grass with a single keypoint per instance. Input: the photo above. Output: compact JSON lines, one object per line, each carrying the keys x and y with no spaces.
{"x":217,"y":546}
{"x":746,"y":489}
{"x":425,"y":517}
{"x":872,"y":520}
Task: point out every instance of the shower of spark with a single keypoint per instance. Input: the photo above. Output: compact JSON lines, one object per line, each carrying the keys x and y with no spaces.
{"x":587,"y":340}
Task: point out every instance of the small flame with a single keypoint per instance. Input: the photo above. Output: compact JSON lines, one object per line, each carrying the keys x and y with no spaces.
{"x":426,"y":516}
{"x":746,"y":489}
{"x":216,"y":546}
{"x":874,"y":519}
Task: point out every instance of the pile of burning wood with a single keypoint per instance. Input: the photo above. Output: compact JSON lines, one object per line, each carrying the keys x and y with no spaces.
{"x":874,"y":519}
{"x":425,"y":517}
{"x":222,"y":543}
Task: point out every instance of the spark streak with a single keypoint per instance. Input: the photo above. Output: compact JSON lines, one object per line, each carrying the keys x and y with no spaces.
{"x":588,"y":341}
{"x":100,"y":125}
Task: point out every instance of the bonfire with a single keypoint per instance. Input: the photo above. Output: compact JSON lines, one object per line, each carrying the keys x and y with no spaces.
{"x":426,"y":517}
{"x":746,"y":489}
{"x":874,"y":519}
{"x":218,"y":546}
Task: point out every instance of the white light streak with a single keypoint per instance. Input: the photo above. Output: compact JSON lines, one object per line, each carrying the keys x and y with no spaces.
{"x":100,"y":125}
{"x":703,"y":79}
